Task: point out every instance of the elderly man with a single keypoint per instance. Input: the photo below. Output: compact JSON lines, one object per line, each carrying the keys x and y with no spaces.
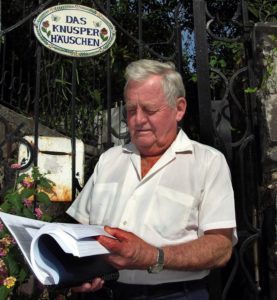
{"x":166,"y":199}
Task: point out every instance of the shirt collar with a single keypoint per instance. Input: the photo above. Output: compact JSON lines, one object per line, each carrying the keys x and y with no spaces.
{"x":182,"y":143}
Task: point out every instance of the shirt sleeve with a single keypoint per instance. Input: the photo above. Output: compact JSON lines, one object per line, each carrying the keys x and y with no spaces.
{"x":80,"y":208}
{"x":217,"y":209}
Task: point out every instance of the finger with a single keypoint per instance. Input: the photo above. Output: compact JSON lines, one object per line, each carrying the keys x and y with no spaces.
{"x":92,"y":286}
{"x":111,"y":244}
{"x":97,"y":284}
{"x":118,"y":233}
{"x":85,"y":287}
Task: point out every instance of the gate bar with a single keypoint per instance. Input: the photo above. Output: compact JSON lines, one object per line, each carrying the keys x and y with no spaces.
{"x":203,"y":83}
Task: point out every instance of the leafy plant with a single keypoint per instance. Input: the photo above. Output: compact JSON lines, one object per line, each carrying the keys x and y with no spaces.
{"x":29,"y":198}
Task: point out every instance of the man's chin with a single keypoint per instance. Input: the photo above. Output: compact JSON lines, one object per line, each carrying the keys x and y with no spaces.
{"x":145,"y":148}
{"x":143,"y":141}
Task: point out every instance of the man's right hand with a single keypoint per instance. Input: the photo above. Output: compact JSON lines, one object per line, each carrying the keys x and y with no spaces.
{"x":93,"y":286}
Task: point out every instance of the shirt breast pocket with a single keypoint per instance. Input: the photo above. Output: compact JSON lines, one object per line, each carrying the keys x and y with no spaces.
{"x":102,"y":207}
{"x":169,"y":213}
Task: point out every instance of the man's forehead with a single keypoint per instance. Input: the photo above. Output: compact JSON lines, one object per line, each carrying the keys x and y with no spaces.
{"x":144,"y":102}
{"x":144,"y":95}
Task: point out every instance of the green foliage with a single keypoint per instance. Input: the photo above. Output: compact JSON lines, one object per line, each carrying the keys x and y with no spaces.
{"x":4,"y":292}
{"x":227,"y":56}
{"x":28,"y":198}
{"x":251,"y":90}
{"x":262,"y":10}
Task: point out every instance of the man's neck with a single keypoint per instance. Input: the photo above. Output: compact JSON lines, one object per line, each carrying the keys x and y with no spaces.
{"x":147,"y":162}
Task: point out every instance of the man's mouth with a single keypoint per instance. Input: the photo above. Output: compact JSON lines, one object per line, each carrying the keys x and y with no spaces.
{"x":142,"y":130}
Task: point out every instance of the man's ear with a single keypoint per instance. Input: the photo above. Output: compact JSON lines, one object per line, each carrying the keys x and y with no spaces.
{"x":181,"y":108}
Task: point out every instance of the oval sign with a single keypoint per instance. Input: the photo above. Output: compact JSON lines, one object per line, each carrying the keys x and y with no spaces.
{"x":74,"y":30}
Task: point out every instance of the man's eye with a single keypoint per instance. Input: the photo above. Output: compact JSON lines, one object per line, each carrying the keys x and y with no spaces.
{"x":150,"y":111}
{"x":131,"y":110}
{"x":146,"y":111}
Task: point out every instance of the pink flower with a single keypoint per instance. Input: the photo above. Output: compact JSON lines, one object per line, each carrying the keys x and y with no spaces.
{"x":3,"y":269}
{"x":1,"y":226}
{"x":3,"y":251}
{"x":38,"y":212}
{"x":104,"y":31}
{"x":45,"y":24}
{"x":27,"y":182}
{"x":27,"y":203}
{"x":16,"y":166}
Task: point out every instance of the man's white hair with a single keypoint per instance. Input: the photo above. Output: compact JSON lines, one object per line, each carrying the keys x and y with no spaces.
{"x":172,"y":82}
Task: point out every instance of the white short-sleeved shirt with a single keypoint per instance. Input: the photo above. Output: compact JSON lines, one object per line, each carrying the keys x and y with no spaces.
{"x":187,"y":192}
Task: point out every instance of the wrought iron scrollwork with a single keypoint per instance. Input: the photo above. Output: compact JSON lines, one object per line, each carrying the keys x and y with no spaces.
{"x":235,"y":26}
{"x":232,"y":122}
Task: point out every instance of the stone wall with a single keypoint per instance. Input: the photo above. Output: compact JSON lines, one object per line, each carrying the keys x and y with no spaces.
{"x":267,"y":97}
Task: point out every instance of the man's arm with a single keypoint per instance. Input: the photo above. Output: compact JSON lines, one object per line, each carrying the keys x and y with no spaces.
{"x":210,"y":251}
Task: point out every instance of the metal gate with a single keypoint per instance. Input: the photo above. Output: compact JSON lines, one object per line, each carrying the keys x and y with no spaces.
{"x":79,"y":98}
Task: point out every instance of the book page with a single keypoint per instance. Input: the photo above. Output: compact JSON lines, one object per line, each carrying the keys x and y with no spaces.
{"x":23,"y":229}
{"x":45,"y":262}
{"x":66,"y":241}
{"x":23,"y":239}
{"x":67,"y":270}
{"x":76,"y":239}
{"x":79,"y":231}
{"x":9,"y":219}
{"x":78,"y":247}
{"x":88,"y":247}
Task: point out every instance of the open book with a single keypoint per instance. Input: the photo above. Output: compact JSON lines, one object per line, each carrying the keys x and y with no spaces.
{"x":60,"y":253}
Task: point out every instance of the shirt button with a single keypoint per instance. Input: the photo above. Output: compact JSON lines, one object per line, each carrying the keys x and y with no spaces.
{"x":125,"y":223}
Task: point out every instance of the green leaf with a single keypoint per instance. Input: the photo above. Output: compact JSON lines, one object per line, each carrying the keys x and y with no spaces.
{"x":20,"y":178}
{"x":4,"y":292}
{"x":251,"y":90}
{"x":23,"y":274}
{"x":45,"y":183}
{"x":27,"y":192}
{"x":9,"y":191}
{"x":35,"y":173}
{"x":43,"y":198}
{"x":6,"y":206}
{"x":46,"y":218}
{"x":11,"y":197}
{"x":28,"y":213}
{"x":194,"y":78}
{"x":16,"y":201}
{"x":272,"y":37}
{"x":222,"y":63}
{"x":213,"y":61}
{"x":12,"y":265}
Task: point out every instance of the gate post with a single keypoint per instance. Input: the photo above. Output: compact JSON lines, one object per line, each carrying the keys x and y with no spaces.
{"x":203,"y":82}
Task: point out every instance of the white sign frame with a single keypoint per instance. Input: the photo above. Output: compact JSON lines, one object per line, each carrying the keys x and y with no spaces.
{"x":74,"y":30}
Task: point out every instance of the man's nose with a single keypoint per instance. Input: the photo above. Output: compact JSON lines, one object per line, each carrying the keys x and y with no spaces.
{"x":140,"y":116}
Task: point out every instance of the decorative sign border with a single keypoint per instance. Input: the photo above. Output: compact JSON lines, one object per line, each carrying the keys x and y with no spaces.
{"x":74,"y":30}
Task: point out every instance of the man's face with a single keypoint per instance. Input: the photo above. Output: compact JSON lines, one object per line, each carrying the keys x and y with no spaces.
{"x":152,"y":122}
